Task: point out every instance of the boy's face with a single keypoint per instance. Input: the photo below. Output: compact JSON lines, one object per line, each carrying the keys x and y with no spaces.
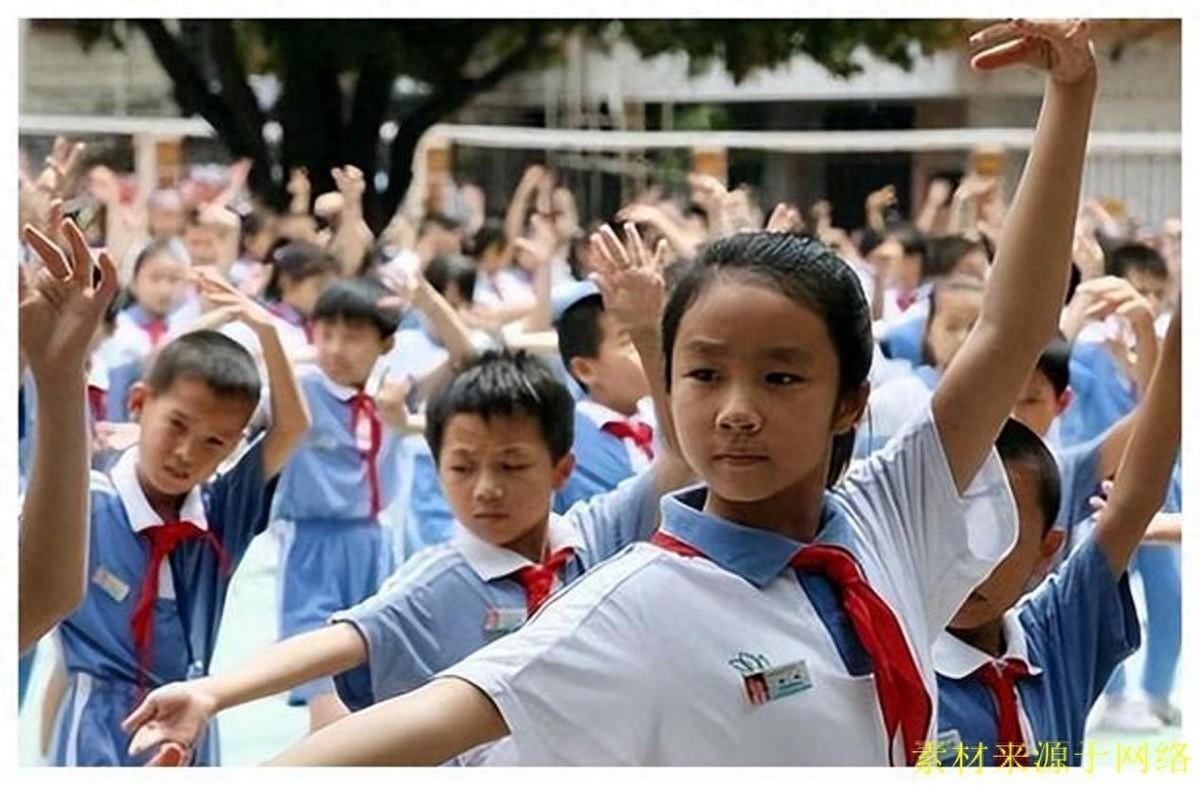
{"x":159,"y":284}
{"x":1028,"y":559}
{"x":187,"y":430}
{"x":1038,"y":404}
{"x":956,"y":314}
{"x":348,"y":350}
{"x":614,"y":377}
{"x":498,"y":475}
{"x":1152,"y":287}
{"x":165,"y":221}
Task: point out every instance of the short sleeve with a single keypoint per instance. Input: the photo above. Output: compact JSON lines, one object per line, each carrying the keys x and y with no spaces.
{"x":906,"y":506}
{"x":239,"y":501}
{"x":569,"y":681}
{"x":610,"y":521}
{"x":406,"y":645}
{"x":1084,"y":623}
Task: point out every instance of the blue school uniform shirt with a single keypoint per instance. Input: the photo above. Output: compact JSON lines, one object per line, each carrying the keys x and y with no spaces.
{"x":448,"y":601}
{"x":1103,"y":393}
{"x":1071,"y":633}
{"x":903,"y":341}
{"x":602,"y":460}
{"x":326,"y":477}
{"x":97,"y":642}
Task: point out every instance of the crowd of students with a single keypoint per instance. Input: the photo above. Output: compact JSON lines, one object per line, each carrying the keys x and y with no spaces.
{"x":693,"y":491}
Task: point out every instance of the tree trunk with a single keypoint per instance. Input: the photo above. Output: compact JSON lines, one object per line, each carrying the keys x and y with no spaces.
{"x":372,"y":93}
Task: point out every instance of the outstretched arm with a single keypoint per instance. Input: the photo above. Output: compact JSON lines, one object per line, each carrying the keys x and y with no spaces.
{"x":424,"y":727}
{"x":177,"y":713}
{"x":1028,"y":281}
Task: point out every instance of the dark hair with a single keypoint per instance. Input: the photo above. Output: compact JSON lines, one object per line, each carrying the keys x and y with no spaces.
{"x":454,"y":268}
{"x":297,"y":261}
{"x":356,"y":300}
{"x":1055,"y":364}
{"x":869,"y":241}
{"x":1019,"y":445}
{"x":491,"y":234}
{"x":956,"y":283}
{"x":506,"y":384}
{"x":1135,"y":256}
{"x":215,"y":359}
{"x":169,"y":246}
{"x":803,"y":269}
{"x":913,"y":241}
{"x":946,"y":252}
{"x":579,"y":333}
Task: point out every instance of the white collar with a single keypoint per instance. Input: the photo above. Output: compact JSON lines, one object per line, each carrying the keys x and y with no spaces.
{"x":141,"y":515}
{"x":493,"y":561}
{"x":601,"y":414}
{"x":956,"y":659}
{"x":344,"y":393}
{"x":339,"y":391}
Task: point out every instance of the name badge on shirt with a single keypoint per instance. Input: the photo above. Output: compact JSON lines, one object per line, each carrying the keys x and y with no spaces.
{"x":774,"y":683}
{"x":948,"y":745}
{"x":112,"y":585}
{"x":498,"y":622}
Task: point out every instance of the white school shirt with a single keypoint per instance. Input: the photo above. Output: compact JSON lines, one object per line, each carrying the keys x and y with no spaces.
{"x":638,"y":662}
{"x":142,"y":516}
{"x":504,"y":288}
{"x":601,"y":414}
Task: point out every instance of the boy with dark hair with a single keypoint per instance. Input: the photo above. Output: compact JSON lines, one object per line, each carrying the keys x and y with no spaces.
{"x":614,"y":421}
{"x":1016,"y":680}
{"x":501,"y":433}
{"x":166,"y":534}
{"x":1144,"y":268}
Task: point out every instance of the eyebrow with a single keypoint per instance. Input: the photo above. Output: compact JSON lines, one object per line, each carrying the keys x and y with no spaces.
{"x":712,"y":348}
{"x":788,"y":354}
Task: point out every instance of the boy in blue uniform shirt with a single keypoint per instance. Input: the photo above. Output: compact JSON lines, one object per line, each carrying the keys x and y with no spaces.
{"x":344,"y":472}
{"x":164,"y":537}
{"x":614,"y":428}
{"x":502,"y":433}
{"x":1019,"y":679}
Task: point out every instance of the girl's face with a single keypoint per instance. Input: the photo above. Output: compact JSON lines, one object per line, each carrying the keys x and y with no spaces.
{"x":955,"y":315}
{"x":159,"y":284}
{"x":755,"y":395}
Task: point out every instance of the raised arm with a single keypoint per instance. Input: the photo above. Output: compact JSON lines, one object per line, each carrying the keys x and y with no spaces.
{"x":1141,"y":482}
{"x":1029,"y":278}
{"x":425,"y":727}
{"x":178,"y":713}
{"x":631,"y":282}
{"x":518,"y":204}
{"x":290,"y":419}
{"x":353,"y":237}
{"x":58,"y":315}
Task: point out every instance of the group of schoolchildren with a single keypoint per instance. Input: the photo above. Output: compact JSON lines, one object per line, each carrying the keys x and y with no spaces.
{"x":745,"y":514}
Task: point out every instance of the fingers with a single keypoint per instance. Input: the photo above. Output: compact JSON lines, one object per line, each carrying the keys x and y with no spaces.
{"x":994,"y":34}
{"x":637,"y":249}
{"x":1023,"y":50}
{"x":139,"y":717}
{"x":169,"y":755}
{"x":660,"y":254}
{"x":51,"y":255}
{"x":80,"y":253}
{"x":602,"y":258}
{"x":616,"y":250}
{"x":108,"y":287}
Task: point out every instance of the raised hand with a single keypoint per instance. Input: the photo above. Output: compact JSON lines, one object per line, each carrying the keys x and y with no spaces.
{"x":544,"y":241}
{"x":61,"y":306}
{"x":298,"y":183}
{"x":1062,"y":49}
{"x":881,"y":199}
{"x":629,"y":277}
{"x":350,"y":182}
{"x":60,"y":166}
{"x":171,"y":718}
{"x":231,"y":301}
{"x":785,"y":218}
{"x":1113,"y":295}
{"x":940,"y":191}
{"x":391,"y":400}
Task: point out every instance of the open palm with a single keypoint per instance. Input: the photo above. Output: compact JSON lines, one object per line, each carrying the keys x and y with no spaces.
{"x":60,"y":306}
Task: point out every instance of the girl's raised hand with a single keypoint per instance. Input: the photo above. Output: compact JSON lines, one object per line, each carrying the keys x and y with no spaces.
{"x":224,"y":295}
{"x":1063,"y":49}
{"x":629,"y":277}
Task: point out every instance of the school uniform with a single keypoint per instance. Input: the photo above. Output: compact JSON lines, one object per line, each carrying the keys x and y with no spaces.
{"x":708,"y":647}
{"x":904,"y":340}
{"x":295,"y":329}
{"x":608,"y":447}
{"x":892,"y":406}
{"x":339,"y":479}
{"x":1062,"y":643}
{"x":450,"y":600}
{"x":124,"y":354}
{"x":503,"y":289}
{"x":1079,"y":479}
{"x":1104,"y":393}
{"x":141,"y":626}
